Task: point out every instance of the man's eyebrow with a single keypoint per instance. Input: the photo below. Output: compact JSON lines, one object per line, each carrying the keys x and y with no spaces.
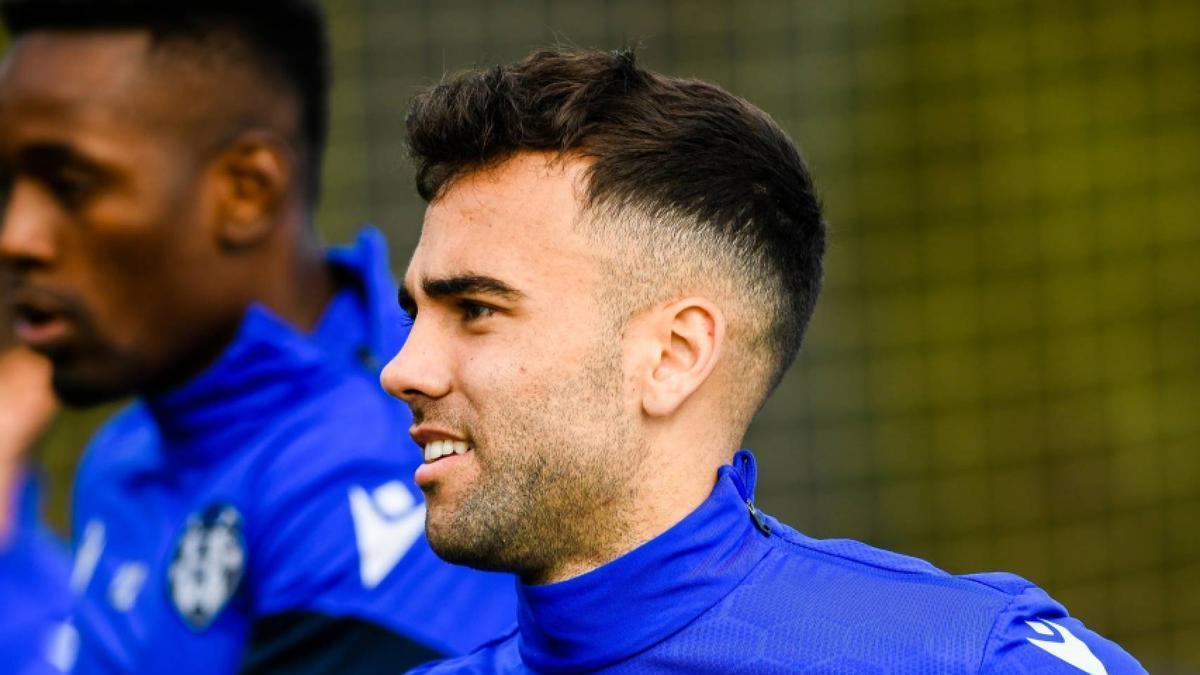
{"x":51,"y":155}
{"x":469,"y":284}
{"x":448,"y":287}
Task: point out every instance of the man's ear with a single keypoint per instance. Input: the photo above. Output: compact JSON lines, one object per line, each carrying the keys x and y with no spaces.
{"x":253,"y":177}
{"x":689,"y":339}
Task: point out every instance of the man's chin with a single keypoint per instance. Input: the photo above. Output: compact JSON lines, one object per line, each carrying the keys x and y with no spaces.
{"x":456,"y":554}
{"x":457,"y":546}
{"x":78,"y":392}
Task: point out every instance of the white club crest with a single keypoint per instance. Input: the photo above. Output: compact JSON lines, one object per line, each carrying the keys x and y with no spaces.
{"x":208,"y":564}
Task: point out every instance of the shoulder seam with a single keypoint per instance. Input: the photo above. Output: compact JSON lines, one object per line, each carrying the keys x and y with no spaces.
{"x":991,"y":635}
{"x":935,"y":573}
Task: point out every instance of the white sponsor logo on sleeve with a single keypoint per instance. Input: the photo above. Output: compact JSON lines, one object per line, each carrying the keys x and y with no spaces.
{"x":1067,"y":647}
{"x":387,"y":522}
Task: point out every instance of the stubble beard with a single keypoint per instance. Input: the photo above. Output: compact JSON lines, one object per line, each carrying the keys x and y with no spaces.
{"x":555,"y":471}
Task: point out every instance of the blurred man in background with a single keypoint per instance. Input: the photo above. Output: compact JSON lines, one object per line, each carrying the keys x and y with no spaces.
{"x":254,"y":507}
{"x":628,"y":262}
{"x":33,"y":563}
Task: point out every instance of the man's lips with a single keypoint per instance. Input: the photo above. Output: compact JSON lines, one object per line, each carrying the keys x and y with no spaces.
{"x":424,"y":434}
{"x":41,"y":333}
{"x":442,"y":449}
{"x":39,"y":321}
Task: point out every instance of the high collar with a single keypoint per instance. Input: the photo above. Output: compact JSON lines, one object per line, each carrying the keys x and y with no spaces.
{"x":585,"y":623}
{"x":270,"y":363}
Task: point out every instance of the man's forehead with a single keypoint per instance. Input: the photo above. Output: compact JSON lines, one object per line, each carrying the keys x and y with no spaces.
{"x":515,"y":222}
{"x":65,"y":66}
{"x":76,"y":90}
{"x":530,"y":188}
{"x":109,"y":80}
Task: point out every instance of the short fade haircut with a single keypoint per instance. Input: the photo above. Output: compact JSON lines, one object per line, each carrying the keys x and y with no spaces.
{"x":285,"y":37}
{"x":700,"y":178}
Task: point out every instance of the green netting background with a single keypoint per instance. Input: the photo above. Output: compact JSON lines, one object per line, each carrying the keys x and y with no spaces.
{"x":1004,"y":371}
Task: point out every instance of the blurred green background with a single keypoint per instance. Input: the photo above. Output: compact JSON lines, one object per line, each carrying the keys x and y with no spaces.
{"x":1004,"y":370}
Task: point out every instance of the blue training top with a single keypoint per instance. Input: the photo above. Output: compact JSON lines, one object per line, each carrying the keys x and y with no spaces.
{"x":263,"y":515}
{"x":729,"y":589}
{"x":34,"y":601}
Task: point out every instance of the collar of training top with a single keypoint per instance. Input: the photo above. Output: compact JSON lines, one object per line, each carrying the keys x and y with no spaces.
{"x":266,"y":361}
{"x":585,"y":623}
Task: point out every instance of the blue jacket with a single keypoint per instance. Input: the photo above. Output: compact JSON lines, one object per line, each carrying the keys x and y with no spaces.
{"x":263,"y":515}
{"x":729,"y":589}
{"x":34,"y":601}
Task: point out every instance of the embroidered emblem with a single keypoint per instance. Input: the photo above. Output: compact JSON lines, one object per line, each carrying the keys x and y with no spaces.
{"x":207,"y":565}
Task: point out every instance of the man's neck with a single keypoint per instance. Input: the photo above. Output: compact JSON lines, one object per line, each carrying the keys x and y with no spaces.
{"x":306,"y":286}
{"x":291,"y":279}
{"x":667,"y":491}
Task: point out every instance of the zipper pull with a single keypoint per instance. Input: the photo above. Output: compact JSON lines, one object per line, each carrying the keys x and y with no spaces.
{"x":759,"y":520}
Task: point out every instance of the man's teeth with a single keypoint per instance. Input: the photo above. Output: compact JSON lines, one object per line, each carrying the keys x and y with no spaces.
{"x":438,"y":449}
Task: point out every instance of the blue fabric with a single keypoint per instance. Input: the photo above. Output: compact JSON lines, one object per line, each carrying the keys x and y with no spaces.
{"x":292,"y":437}
{"x":33,"y":589}
{"x":728,"y":590}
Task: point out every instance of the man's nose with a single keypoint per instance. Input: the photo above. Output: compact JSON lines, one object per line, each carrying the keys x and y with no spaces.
{"x":422,"y":369}
{"x":27,"y":228}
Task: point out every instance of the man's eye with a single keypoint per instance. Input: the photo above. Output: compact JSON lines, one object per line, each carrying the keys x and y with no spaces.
{"x":69,"y":188}
{"x":472,"y":311}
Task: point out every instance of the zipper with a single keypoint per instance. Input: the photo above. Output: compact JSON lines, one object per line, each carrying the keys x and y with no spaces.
{"x":759,"y":520}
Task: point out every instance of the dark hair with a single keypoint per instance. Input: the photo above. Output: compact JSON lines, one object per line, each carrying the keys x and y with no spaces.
{"x":286,"y":37}
{"x":664,"y":146}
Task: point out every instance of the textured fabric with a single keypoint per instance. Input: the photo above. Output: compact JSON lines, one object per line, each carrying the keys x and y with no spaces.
{"x":33,"y":590}
{"x":279,"y":480}
{"x":729,"y":590}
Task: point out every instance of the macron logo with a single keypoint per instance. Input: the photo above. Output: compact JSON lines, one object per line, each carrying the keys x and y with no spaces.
{"x":1065,"y":646}
{"x":386,"y":524}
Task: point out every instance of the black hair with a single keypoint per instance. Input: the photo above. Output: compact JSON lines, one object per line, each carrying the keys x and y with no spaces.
{"x":286,"y":37}
{"x":664,"y":146}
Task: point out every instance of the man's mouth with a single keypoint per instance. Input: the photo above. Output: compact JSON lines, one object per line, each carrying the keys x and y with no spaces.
{"x":442,"y":455}
{"x":435,"y":450}
{"x":38,"y":326}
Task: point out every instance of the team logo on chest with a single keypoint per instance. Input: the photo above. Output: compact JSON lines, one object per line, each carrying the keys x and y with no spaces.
{"x":207,"y":565}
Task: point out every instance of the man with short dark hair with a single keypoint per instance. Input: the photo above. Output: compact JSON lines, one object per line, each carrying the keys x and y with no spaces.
{"x":253,"y":509}
{"x":615,"y":269}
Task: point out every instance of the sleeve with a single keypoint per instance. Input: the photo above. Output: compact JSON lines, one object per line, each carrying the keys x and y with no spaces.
{"x":340,"y":577}
{"x":1035,"y":636}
